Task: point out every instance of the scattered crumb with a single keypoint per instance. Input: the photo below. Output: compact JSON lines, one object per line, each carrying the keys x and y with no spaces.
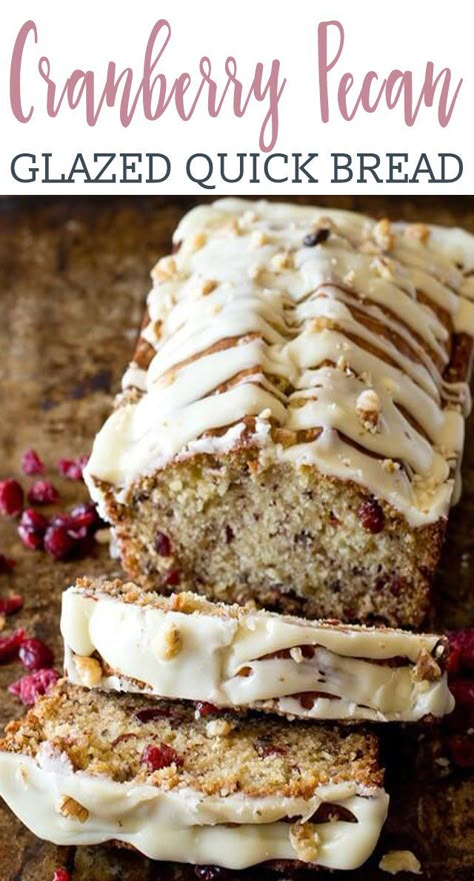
{"x":400,"y":861}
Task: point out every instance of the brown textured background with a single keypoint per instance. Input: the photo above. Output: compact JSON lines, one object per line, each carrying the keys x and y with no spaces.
{"x":73,"y":278}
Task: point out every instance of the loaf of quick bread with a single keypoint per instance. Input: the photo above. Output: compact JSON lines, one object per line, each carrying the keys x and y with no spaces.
{"x":291,"y":426}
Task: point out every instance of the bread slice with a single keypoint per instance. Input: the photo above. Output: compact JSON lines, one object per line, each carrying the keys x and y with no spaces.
{"x":86,"y":767}
{"x":291,"y":426}
{"x":119,"y":637}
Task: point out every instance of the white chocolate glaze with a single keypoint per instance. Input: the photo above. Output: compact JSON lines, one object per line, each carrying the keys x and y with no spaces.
{"x":183,"y":825}
{"x":249,"y":322}
{"x":221,"y":660}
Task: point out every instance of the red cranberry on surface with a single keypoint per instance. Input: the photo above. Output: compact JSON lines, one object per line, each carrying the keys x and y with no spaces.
{"x":10,"y":604}
{"x":10,"y":644}
{"x":463,"y":692}
{"x":461,"y":750}
{"x":7,"y":565}
{"x":156,"y":756}
{"x":34,"y":654}
{"x":86,"y":516}
{"x":32,"y":528}
{"x":43,"y":493}
{"x":61,"y":875}
{"x":162,"y":544}
{"x":72,"y":469}
{"x":31,"y":463}
{"x":371,"y":516}
{"x":11,"y":497}
{"x":461,"y":650}
{"x":58,"y":542}
{"x":29,"y":688}
{"x":61,"y":519}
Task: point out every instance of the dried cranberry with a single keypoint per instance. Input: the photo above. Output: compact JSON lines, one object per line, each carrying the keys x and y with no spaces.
{"x":7,"y":565}
{"x":34,"y":654}
{"x":334,"y":521}
{"x":229,"y":534}
{"x":206,"y":709}
{"x":69,"y":469}
{"x":272,"y":749}
{"x":463,"y":691}
{"x":61,"y":875}
{"x":58,"y":542}
{"x":10,"y":644}
{"x":72,"y":469}
{"x":86,"y":516}
{"x":152,"y":713}
{"x":76,"y":528}
{"x":171,"y":578}
{"x":43,"y":493}
{"x":32,"y":528}
{"x":10,"y":604}
{"x":318,"y":237}
{"x":62,"y":520}
{"x":31,"y":463}
{"x":461,"y":750}
{"x":29,"y":688}
{"x":210,"y":873}
{"x":11,"y":497}
{"x":397,"y":585}
{"x":461,"y":650}
{"x":371,"y":516}
{"x":162,"y":544}
{"x":156,"y":756}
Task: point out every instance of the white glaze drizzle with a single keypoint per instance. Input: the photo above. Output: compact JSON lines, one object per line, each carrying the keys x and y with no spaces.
{"x":243,"y":272}
{"x":216,"y":650}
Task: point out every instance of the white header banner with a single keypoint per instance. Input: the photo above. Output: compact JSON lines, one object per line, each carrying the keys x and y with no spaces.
{"x":255,"y":96}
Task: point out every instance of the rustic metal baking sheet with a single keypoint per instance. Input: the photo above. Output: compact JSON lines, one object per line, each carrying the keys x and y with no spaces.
{"x":73,"y":278}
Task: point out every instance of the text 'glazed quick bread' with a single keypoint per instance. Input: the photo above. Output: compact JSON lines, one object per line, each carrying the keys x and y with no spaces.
{"x":85,"y":768}
{"x":291,"y":426}
{"x":120,"y":638}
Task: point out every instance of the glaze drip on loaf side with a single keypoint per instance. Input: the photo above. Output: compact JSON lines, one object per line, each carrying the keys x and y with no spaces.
{"x":322,"y":337}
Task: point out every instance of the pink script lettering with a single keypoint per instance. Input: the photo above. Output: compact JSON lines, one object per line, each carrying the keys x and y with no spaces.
{"x":437,"y":89}
{"x":151,"y":90}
